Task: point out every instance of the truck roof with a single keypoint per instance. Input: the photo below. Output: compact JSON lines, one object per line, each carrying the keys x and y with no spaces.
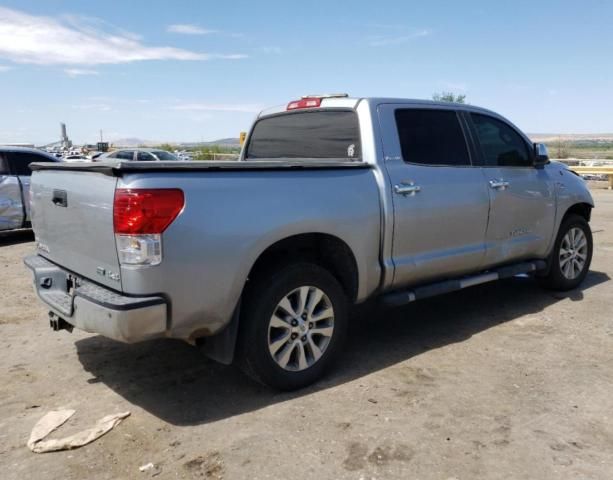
{"x":338,"y":101}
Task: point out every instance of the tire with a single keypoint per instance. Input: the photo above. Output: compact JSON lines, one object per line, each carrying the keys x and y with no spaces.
{"x":282,"y":347}
{"x":567,"y":255}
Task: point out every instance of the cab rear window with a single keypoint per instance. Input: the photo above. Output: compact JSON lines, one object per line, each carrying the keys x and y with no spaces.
{"x":331,"y":134}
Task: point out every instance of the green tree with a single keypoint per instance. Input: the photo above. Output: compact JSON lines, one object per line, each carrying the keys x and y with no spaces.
{"x":208,"y":152}
{"x":449,"y":97}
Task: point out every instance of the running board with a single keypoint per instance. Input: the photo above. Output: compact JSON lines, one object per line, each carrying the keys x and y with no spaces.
{"x":396,"y":299}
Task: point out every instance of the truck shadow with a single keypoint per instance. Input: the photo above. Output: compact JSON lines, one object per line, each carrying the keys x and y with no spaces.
{"x":15,"y":237}
{"x":174,"y":382}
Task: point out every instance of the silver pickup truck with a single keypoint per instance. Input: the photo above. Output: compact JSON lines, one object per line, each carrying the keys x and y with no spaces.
{"x":15,"y":184}
{"x":334,"y":200}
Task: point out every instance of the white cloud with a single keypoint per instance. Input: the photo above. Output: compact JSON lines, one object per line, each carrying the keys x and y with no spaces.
{"x":382,"y":40}
{"x":100,"y":107}
{"x":200,"y":117}
{"x":210,"y":107}
{"x":229,"y":56}
{"x":5,"y":68}
{"x":77,"y":72}
{"x":42,"y":40}
{"x":188,"y":29}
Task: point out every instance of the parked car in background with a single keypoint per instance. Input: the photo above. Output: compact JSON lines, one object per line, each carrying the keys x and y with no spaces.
{"x":184,"y":155}
{"x":334,"y":201}
{"x":139,"y":155}
{"x":75,"y":158}
{"x":594,"y":176}
{"x":15,"y":184}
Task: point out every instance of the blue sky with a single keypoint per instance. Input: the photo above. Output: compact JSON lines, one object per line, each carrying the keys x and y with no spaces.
{"x":199,"y":70}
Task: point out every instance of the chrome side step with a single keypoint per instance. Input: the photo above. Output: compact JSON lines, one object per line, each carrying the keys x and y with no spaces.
{"x":395,"y":299}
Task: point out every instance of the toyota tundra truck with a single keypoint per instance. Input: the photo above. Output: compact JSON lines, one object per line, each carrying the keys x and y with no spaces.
{"x":334,"y":200}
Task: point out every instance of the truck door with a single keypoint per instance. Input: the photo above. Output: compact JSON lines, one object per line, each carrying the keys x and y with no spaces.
{"x":439,"y":199}
{"x":522,"y":197}
{"x":19,"y":163}
{"x":12,"y":210}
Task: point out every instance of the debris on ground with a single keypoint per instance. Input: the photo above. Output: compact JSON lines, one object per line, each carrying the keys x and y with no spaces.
{"x":148,"y":466}
{"x":55,"y":419}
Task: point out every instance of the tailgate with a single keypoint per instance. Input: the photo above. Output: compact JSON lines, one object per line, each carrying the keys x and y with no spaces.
{"x":72,"y":218}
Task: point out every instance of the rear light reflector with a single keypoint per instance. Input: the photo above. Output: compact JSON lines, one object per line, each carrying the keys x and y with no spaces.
{"x":304,"y":103}
{"x":139,"y":249}
{"x":140,"y":216}
{"x":146,"y":211}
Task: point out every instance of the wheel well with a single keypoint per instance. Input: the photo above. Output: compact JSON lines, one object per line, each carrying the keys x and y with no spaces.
{"x":326,"y":250}
{"x":582,"y":209}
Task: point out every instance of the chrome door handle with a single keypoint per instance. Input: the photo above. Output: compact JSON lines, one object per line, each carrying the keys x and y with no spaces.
{"x":499,"y":184}
{"x":406,"y":188}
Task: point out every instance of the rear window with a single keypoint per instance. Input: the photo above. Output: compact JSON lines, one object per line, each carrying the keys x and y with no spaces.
{"x":318,"y":134}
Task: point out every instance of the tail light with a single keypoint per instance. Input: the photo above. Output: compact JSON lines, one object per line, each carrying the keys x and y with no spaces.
{"x":304,"y":103}
{"x":313,"y":101}
{"x":140,"y":216}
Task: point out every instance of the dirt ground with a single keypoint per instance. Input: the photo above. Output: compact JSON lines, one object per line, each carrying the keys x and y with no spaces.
{"x":500,"y":381}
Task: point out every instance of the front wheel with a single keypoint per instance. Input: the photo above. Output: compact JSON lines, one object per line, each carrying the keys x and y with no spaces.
{"x":571,"y":256}
{"x":293,"y":325}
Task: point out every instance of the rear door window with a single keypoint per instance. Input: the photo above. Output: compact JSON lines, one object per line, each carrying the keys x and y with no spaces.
{"x":165,"y":156}
{"x":321,"y":134}
{"x":431,"y":137}
{"x":144,"y":157}
{"x":500,"y":144}
{"x":123,"y":155}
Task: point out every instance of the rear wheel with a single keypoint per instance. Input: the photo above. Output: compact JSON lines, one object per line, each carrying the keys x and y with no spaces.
{"x":293,"y":325}
{"x":571,"y":256}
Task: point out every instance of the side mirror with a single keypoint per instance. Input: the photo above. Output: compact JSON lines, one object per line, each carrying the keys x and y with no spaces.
{"x":541,"y":155}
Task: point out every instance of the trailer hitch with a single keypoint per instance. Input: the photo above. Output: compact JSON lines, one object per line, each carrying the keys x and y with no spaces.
{"x":58,"y":323}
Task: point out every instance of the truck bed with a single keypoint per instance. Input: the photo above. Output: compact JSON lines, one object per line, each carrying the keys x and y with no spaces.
{"x":119,"y":167}
{"x":233,"y":213}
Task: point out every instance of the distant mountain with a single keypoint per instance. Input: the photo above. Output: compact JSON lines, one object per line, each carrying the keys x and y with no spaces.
{"x":132,"y":142}
{"x":135,"y":142}
{"x":224,"y":142}
{"x":570,"y":137}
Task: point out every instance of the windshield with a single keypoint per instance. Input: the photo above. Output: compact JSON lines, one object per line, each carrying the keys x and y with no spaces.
{"x":321,"y":134}
{"x":163,"y":155}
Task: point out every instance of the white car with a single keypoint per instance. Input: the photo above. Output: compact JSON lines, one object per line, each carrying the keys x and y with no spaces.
{"x":76,"y":158}
{"x":140,"y":155}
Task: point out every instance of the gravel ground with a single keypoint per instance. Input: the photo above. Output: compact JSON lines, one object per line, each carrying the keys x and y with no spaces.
{"x":500,"y":381}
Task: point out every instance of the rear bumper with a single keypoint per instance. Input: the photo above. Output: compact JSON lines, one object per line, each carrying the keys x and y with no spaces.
{"x":95,"y":309}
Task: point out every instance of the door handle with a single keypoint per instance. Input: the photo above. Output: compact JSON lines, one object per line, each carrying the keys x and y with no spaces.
{"x":406,"y":188}
{"x":60,"y":198}
{"x":499,"y":184}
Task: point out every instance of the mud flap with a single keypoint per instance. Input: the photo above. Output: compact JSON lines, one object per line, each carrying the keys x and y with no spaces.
{"x":221,"y":347}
